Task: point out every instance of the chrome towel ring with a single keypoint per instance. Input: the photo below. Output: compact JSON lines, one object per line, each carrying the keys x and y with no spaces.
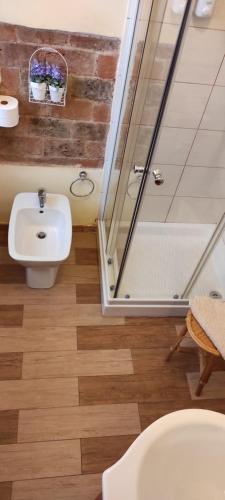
{"x":85,"y":182}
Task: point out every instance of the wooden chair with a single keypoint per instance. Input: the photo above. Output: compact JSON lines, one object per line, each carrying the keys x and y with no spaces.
{"x":207,"y":348}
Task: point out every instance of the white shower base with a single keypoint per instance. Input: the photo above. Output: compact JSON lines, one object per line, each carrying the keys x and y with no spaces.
{"x":162,"y":258}
{"x":160,"y":263}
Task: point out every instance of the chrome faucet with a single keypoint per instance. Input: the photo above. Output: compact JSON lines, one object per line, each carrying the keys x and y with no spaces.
{"x":42,"y":197}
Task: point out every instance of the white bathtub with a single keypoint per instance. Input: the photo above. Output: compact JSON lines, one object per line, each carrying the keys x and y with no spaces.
{"x":179,"y":457}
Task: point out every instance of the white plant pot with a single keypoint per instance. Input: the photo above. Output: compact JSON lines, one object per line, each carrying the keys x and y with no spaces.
{"x":56,"y":93}
{"x":38,"y":90}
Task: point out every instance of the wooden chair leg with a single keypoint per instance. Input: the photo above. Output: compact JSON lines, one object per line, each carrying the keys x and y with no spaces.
{"x":204,"y":377}
{"x":176,"y":346}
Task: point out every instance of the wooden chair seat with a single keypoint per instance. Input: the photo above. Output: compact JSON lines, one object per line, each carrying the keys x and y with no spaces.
{"x":204,"y":344}
{"x":199,"y":336}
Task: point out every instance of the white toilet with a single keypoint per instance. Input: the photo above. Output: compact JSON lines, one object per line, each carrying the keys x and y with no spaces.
{"x":40,"y":236}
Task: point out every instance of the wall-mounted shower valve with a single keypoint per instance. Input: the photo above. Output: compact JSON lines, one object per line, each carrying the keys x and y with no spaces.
{"x":138,"y":169}
{"x":158,"y":177}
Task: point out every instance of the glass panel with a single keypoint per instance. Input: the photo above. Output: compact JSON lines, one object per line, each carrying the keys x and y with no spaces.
{"x":178,"y":217}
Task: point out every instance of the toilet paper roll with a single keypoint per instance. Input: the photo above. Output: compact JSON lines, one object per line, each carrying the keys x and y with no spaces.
{"x":9,"y":111}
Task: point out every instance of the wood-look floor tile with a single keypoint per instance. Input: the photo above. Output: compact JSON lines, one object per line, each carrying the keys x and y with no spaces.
{"x":155,"y":321}
{"x":78,"y":274}
{"x":132,"y":388}
{"x":100,"y":453}
{"x":78,"y":422}
{"x":37,"y":339}
{"x":86,"y":256}
{"x":84,"y":240}
{"x":12,"y":274}
{"x":6,"y":491}
{"x":21,"y":294}
{"x":11,"y":315}
{"x":76,"y":363}
{"x":4,"y":235}
{"x":11,"y":365}
{"x":16,"y":394}
{"x":149,"y":412}
{"x":80,"y":314}
{"x":146,"y":360}
{"x":5,"y":257}
{"x":61,"y":488}
{"x":8,"y":427}
{"x":125,"y":337}
{"x":88,"y":294}
{"x":35,"y":460}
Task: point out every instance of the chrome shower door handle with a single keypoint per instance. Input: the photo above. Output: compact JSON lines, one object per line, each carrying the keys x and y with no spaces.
{"x":158,"y":177}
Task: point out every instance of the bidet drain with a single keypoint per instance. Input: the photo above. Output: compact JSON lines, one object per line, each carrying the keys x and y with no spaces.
{"x":41,"y":235}
{"x":214,"y":294}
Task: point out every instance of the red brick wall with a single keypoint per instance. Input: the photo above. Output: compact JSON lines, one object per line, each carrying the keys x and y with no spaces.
{"x":52,"y":135}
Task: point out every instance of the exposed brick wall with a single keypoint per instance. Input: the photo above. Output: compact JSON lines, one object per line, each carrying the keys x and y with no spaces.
{"x":55,"y":135}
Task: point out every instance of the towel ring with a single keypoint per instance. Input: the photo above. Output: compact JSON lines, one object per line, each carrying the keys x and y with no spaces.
{"x":129,"y":187}
{"x":82,"y":178}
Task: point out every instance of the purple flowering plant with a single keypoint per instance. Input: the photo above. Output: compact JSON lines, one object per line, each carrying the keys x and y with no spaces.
{"x":38,"y":72}
{"x":45,"y":72}
{"x":56,"y":77}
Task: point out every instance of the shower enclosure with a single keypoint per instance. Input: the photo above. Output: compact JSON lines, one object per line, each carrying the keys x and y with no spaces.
{"x":162,"y":230}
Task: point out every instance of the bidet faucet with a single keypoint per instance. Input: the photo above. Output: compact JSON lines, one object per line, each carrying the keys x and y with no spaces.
{"x":42,"y":197}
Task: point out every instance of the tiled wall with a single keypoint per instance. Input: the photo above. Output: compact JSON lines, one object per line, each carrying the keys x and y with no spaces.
{"x":191,"y":149}
{"x":52,"y":135}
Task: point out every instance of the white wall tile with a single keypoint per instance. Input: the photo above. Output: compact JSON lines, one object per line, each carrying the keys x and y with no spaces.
{"x":202,"y":182}
{"x":196,"y":210}
{"x":186,"y":105}
{"x":208,"y":149}
{"x":214,"y":116}
{"x":154,"y":208}
{"x":221,"y":76}
{"x":201,"y":56}
{"x":173,"y":146}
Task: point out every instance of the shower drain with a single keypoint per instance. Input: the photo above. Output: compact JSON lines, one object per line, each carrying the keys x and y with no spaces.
{"x":215,"y":294}
{"x":41,"y":235}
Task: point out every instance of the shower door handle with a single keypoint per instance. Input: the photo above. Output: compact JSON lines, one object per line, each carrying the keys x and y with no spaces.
{"x":158,"y":177}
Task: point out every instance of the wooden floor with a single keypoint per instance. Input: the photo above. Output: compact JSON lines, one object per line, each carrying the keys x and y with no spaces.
{"x":76,"y":388}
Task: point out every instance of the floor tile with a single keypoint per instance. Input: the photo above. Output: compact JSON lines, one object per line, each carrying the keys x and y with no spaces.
{"x":62,"y":488}
{"x":78,"y":274}
{"x":12,"y":274}
{"x":100,"y":453}
{"x":21,"y":294}
{"x":8,"y":427}
{"x":11,"y":315}
{"x":88,"y":294}
{"x":59,"y":458}
{"x":37,"y":339}
{"x":78,"y":422}
{"x":11,"y":365}
{"x":86,"y":256}
{"x":84,"y":240}
{"x":126,"y":336}
{"x":147,"y":360}
{"x":6,"y":490}
{"x":80,"y":314}
{"x":132,"y":388}
{"x":4,"y":235}
{"x":76,"y":363}
{"x":16,"y":394}
{"x":149,"y":412}
{"x":4,"y":256}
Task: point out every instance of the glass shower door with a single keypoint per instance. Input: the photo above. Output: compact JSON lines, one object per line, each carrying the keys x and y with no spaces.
{"x":154,"y":246}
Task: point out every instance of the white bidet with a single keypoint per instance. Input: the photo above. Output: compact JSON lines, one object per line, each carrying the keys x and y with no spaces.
{"x":40,"y":237}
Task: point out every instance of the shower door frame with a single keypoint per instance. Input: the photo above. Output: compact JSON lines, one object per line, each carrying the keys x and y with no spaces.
{"x":137,"y":306}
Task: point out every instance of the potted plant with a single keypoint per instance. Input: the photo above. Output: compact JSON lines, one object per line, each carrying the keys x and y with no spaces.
{"x":38,"y":80}
{"x":56,"y":83}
